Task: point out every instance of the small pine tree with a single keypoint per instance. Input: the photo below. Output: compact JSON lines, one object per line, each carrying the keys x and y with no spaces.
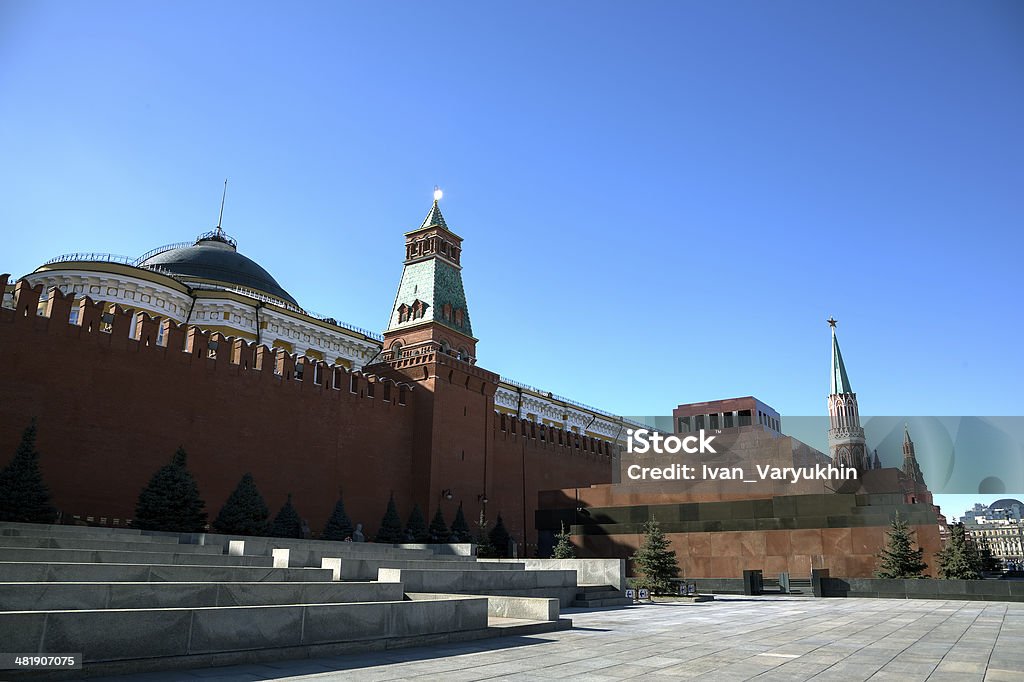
{"x":23,"y":495}
{"x":390,"y":531}
{"x":563,"y":545}
{"x":899,"y":559}
{"x":438,"y":528}
{"x":499,"y":538}
{"x":655,"y":560}
{"x":484,"y":548}
{"x":959,"y":559}
{"x":989,"y":562}
{"x":287,"y":523}
{"x":245,"y":512}
{"x":171,"y":501}
{"x":416,"y":527}
{"x":460,"y":529}
{"x":339,"y":526}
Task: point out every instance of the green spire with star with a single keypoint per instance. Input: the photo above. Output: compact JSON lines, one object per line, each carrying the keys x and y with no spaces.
{"x":840,"y":381}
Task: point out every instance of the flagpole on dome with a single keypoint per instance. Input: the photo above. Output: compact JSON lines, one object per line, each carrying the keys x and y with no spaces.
{"x":220,"y":218}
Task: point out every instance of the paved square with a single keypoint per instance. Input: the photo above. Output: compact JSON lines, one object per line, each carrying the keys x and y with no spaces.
{"x":732,"y":638}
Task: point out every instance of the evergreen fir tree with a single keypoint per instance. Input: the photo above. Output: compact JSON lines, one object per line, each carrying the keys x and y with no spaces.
{"x":484,"y":548}
{"x":391,"y":525}
{"x":460,"y":529}
{"x":171,"y":501}
{"x":989,"y":563}
{"x":959,"y":559}
{"x":438,"y":528}
{"x":655,"y":561}
{"x":339,"y":526}
{"x":416,"y":527}
{"x":287,"y":523}
{"x":23,"y":495}
{"x":899,"y":559}
{"x":563,"y":545}
{"x":245,"y":512}
{"x":499,"y":538}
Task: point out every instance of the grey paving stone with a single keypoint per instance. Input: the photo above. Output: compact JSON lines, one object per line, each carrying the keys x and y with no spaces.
{"x":764,"y":639}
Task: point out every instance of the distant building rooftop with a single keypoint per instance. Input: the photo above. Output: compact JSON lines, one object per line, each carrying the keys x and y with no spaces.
{"x":725,"y":414}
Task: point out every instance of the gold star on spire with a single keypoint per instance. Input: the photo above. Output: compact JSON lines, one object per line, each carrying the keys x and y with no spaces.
{"x":832,"y":322}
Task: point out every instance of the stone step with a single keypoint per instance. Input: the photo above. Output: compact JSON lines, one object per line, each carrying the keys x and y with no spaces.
{"x":495,"y":627}
{"x":68,"y":542}
{"x":599,"y":603}
{"x":368,"y":569}
{"x":264,"y":546}
{"x":560,"y":585}
{"x":600,"y":595}
{"x":145,"y":639}
{"x":88,"y":534}
{"x":260,"y":546}
{"x":589,"y":589}
{"x":503,"y":627}
{"x":77,"y":596}
{"x":14,"y":572}
{"x":58,"y":527}
{"x":106,"y":556}
{"x":607,"y":594}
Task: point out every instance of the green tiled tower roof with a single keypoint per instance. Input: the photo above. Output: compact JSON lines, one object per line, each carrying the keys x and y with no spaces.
{"x":434,"y":218}
{"x":435,"y":283}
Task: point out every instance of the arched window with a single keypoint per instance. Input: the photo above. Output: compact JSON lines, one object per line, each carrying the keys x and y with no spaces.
{"x":396,"y":350}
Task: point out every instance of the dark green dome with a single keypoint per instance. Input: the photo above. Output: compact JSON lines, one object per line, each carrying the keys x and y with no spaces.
{"x":1006,"y":505}
{"x":214,"y":256}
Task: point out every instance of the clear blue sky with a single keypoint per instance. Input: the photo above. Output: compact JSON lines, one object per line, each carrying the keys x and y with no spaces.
{"x":662,"y":202}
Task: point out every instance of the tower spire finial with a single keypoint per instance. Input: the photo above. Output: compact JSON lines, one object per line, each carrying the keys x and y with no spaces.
{"x":220,"y":217}
{"x":846,"y":436}
{"x":840,"y":382}
{"x":437,"y":194}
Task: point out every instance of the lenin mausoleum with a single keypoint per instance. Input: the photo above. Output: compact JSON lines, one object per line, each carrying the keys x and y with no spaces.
{"x":123,"y":360}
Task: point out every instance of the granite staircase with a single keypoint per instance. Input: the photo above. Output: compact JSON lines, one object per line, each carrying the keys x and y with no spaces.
{"x":594,"y":596}
{"x":131,"y":601}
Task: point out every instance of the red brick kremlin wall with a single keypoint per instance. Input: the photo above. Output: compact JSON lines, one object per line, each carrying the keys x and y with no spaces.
{"x":112,"y":406}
